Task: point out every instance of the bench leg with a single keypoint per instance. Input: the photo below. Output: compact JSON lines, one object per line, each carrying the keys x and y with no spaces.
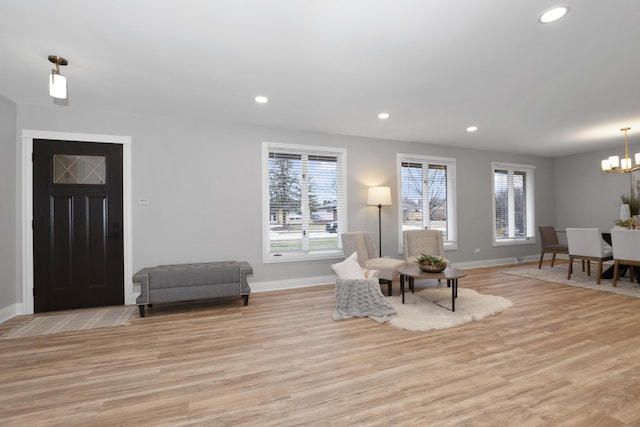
{"x":246,"y":299}
{"x":141,"y":308}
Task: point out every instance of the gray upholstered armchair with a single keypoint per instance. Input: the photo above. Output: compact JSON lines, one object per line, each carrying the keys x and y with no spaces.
{"x":362,"y":243}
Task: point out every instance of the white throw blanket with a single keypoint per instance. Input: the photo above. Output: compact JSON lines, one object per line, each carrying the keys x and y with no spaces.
{"x":361,"y":298}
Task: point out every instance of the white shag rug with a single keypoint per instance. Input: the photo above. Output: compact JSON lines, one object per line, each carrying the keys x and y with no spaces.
{"x":430,"y":308}
{"x":558,"y":274}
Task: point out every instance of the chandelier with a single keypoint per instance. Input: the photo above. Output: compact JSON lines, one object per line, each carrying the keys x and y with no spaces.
{"x":617,"y":165}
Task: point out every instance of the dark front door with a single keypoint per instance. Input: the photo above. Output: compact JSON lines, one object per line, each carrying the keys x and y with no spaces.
{"x":77,"y":225}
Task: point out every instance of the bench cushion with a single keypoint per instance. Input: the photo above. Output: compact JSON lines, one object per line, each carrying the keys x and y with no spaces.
{"x":182,"y":282}
{"x":179,"y":275}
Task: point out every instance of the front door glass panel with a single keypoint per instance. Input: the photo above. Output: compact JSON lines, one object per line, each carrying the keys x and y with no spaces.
{"x":72,"y":169}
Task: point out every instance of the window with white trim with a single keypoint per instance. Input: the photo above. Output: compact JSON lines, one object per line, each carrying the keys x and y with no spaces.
{"x":428,"y":195}
{"x":514,"y":204}
{"x":304,"y":201}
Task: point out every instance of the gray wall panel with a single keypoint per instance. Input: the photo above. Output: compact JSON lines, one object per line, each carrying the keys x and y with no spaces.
{"x":9,"y":290}
{"x":203,"y":182}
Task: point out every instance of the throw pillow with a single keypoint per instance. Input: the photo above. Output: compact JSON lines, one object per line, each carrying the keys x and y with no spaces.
{"x":349,"y":268}
{"x":370,"y":274}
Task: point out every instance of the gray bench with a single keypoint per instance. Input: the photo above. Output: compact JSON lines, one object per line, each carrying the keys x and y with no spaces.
{"x":185,"y":282}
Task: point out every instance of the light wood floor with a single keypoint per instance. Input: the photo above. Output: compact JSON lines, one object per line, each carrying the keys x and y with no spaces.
{"x":559,"y":356}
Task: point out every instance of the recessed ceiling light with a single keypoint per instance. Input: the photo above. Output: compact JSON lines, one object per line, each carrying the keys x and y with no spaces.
{"x":553,"y":14}
{"x":383,"y":116}
{"x":261,"y":99}
{"x":472,"y":128}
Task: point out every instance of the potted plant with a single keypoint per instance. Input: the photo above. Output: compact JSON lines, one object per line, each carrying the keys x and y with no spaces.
{"x":431,"y":263}
{"x":634,"y":210}
{"x":634,"y":204}
{"x":623,"y":223}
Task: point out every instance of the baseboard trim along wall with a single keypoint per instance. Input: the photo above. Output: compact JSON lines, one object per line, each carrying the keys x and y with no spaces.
{"x":7,"y":313}
{"x":496,"y":262}
{"x":301,"y":282}
{"x":305,"y":282}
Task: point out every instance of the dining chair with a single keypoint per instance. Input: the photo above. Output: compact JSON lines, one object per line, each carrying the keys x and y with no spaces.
{"x":549,"y":243}
{"x":368,"y":257}
{"x":626,"y":251}
{"x":586,"y":244}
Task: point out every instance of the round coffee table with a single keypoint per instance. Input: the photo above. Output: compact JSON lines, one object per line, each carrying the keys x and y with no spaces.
{"x":411,"y":272}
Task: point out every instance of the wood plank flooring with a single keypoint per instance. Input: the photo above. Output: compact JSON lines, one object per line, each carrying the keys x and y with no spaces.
{"x":561,"y":356}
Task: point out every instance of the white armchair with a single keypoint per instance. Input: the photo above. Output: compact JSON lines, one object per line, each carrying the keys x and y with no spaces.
{"x":626,"y":251}
{"x":418,"y":242}
{"x":587,"y":244}
{"x":362,"y":243}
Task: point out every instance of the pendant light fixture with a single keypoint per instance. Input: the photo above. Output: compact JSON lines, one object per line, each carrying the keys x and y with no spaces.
{"x":57,"y":82}
{"x":616,"y":165}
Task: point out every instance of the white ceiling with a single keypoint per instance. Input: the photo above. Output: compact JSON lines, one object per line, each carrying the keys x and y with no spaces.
{"x":437,"y":66}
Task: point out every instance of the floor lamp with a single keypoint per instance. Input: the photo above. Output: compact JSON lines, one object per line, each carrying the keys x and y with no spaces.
{"x":379,"y":196}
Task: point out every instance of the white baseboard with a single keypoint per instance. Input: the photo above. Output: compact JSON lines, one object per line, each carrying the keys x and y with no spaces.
{"x":305,"y":282}
{"x":495,"y":262}
{"x":7,"y":313}
{"x":302,"y":282}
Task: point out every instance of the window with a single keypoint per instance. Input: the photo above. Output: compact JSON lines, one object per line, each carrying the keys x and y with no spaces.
{"x":303,"y":202}
{"x":514,"y":204}
{"x":428,"y":195}
{"x":72,"y":169}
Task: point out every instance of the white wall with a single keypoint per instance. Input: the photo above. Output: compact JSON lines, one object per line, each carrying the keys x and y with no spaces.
{"x":203,"y":184}
{"x":8,"y":224}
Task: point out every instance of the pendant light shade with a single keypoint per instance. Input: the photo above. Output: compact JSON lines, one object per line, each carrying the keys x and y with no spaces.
{"x":58,"y":86}
{"x":57,"y":82}
{"x":625,"y":165}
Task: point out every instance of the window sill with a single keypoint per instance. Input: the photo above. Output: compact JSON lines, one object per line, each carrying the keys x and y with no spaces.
{"x":515,"y":242}
{"x":302,"y":256}
{"x":451,"y":246}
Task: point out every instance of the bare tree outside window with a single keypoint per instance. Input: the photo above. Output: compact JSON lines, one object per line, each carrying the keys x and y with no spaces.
{"x":420,"y":212}
{"x":306,"y":203}
{"x":513,"y":213}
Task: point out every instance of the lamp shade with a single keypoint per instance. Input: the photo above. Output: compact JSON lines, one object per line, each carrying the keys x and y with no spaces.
{"x":58,"y":86}
{"x":379,"y":196}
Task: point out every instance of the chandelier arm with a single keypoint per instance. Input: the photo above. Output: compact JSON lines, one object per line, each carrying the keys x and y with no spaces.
{"x":626,"y":145}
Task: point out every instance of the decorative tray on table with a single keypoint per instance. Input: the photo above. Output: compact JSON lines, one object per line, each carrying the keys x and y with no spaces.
{"x":431,"y":263}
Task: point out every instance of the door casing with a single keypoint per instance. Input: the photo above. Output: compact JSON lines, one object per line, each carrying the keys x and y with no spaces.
{"x":27,"y":207}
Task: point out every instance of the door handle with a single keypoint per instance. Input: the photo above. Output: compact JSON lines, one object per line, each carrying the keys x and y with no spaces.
{"x":115,"y":235}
